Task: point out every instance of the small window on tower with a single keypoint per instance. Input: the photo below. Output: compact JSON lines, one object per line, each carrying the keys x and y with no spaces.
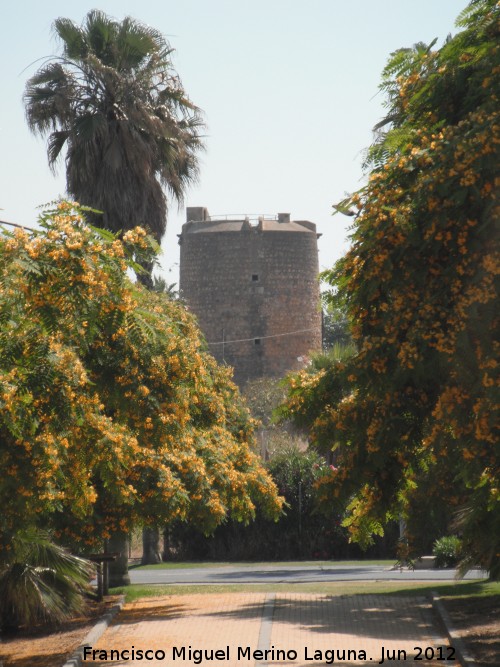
{"x":256,"y":341}
{"x":255,"y":277}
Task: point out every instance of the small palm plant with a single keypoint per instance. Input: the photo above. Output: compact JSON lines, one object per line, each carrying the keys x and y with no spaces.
{"x":40,"y":582}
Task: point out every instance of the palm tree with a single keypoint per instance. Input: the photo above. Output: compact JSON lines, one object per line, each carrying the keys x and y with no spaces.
{"x":40,"y":582}
{"x":114,"y":101}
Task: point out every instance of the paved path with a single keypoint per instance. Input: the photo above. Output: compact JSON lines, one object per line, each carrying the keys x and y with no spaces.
{"x":237,"y":574}
{"x":309,"y":630}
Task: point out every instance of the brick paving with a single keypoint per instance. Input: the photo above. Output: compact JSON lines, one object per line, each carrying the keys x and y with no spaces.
{"x":304,"y":630}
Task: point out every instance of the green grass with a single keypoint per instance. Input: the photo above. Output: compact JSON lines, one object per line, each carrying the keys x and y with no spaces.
{"x":318,"y":563}
{"x":459,"y":589}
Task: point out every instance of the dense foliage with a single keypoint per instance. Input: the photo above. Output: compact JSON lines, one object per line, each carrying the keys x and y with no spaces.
{"x":306,"y":528}
{"x":111,"y":410}
{"x":113,"y":101}
{"x":416,"y":406}
{"x":335,"y":325}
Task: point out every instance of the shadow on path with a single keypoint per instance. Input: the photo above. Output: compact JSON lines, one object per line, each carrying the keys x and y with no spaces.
{"x":397,"y":618}
{"x":160,"y":612}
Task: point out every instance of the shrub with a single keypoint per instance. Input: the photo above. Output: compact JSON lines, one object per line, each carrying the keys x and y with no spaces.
{"x":447,"y":551}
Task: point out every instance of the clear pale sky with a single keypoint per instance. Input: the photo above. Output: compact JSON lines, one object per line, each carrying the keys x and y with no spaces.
{"x":289,"y":89}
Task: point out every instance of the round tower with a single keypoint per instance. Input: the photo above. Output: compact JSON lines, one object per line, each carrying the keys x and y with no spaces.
{"x":253,"y":285}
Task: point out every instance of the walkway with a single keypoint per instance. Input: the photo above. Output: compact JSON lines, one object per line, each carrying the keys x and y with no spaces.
{"x":235,"y":630}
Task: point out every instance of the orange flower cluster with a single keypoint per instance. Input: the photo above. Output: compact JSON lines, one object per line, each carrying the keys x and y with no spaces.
{"x":112,"y":410}
{"x":419,"y":399}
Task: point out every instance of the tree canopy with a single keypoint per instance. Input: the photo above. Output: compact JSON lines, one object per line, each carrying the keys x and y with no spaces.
{"x":414,"y":412}
{"x":112,"y":411}
{"x":115,"y":103}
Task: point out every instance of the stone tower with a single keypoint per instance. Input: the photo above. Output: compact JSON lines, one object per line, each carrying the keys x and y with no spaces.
{"x":253,"y":285}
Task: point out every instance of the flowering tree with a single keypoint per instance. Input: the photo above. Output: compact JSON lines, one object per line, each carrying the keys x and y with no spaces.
{"x":416,"y":406}
{"x":112,"y":411}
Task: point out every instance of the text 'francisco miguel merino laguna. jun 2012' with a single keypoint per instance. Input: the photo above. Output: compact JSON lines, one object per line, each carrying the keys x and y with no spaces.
{"x":246,"y":654}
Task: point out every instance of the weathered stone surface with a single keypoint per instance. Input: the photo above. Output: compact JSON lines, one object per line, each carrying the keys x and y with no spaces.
{"x":254,"y":289}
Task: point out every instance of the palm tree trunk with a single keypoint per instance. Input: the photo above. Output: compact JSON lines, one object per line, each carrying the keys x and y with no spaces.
{"x":146,"y":278}
{"x":118,"y":569}
{"x":150,"y":546}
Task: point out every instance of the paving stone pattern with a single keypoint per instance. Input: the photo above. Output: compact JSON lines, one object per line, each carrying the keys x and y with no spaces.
{"x":288,"y":622}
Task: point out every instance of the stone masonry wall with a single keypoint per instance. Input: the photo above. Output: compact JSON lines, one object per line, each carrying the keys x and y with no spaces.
{"x":249,"y":285}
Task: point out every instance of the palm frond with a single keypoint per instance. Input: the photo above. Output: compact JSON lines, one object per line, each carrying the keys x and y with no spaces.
{"x":73,"y":37}
{"x":40,"y":582}
{"x":100,"y":34}
{"x":55,"y":145}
